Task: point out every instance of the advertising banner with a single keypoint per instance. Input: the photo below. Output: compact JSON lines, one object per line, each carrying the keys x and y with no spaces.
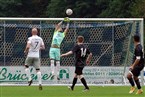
{"x":93,"y":75}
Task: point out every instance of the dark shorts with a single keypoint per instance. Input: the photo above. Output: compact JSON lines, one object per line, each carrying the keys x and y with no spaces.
{"x":79,"y":70}
{"x":137,"y":69}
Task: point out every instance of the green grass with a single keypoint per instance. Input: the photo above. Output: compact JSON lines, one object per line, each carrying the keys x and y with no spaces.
{"x":62,"y":91}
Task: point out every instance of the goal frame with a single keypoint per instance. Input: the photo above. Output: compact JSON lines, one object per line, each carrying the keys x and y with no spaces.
{"x":90,"y":19}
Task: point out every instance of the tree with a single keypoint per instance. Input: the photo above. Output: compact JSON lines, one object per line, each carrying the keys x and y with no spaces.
{"x":56,"y":9}
{"x":81,"y":8}
{"x":138,"y":9}
{"x":23,"y":8}
{"x":118,"y":9}
{"x":34,"y":8}
{"x":9,"y":8}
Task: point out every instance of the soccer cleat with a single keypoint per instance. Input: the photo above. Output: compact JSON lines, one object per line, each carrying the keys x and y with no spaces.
{"x":132,"y":89}
{"x":30,"y":82}
{"x":58,"y":78}
{"x":140,"y":91}
{"x":86,"y":89}
{"x":70,"y":88}
{"x":40,"y":87}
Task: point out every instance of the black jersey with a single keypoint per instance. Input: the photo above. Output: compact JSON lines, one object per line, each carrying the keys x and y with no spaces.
{"x":81,"y":53}
{"x":138,"y":53}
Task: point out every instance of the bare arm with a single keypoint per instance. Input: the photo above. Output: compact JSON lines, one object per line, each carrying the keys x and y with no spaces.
{"x":66,"y":54}
{"x":135,"y":63}
{"x":58,"y":25}
{"x":89,"y":58}
{"x":42,"y":47}
{"x":27,"y":48}
{"x":66,"y":29}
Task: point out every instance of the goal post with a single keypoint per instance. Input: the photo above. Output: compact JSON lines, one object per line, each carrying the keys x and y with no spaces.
{"x":109,"y":39}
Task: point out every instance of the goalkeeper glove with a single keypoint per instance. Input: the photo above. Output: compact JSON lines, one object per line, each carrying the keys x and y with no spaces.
{"x":66,"y":19}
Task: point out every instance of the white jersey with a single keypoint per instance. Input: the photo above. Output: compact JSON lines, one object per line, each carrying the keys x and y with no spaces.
{"x":35,"y":44}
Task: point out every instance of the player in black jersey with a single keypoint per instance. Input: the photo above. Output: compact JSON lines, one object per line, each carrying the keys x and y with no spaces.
{"x":136,"y":67}
{"x":82,"y":58}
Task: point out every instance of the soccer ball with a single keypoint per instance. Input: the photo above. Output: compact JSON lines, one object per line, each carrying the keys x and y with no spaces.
{"x":69,"y":11}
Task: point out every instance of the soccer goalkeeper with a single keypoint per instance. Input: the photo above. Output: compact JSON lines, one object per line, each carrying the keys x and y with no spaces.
{"x":54,"y":52}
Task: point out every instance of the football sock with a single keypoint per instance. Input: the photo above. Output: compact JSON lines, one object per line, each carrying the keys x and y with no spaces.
{"x":138,"y":84}
{"x":57,"y":67}
{"x":84,"y":83}
{"x":52,"y":66}
{"x":39,"y":77}
{"x":74,"y":82}
{"x":27,"y":71}
{"x":131,"y":82}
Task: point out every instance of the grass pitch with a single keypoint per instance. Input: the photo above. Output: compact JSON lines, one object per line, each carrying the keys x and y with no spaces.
{"x":62,"y":91}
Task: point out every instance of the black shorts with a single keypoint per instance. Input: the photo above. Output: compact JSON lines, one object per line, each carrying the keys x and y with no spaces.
{"x":137,"y":69}
{"x":79,"y":70}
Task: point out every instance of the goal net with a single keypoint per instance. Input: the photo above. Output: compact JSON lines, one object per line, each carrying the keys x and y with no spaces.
{"x":109,"y":39}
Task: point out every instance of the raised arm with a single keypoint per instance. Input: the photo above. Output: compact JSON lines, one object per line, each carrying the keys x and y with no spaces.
{"x":58,"y":25}
{"x":66,"y":29}
{"x":66,"y":19}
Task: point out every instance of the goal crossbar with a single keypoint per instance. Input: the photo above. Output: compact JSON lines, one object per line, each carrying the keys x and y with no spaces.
{"x":76,"y":19}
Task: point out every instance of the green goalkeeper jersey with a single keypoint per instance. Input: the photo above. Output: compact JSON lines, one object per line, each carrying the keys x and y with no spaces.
{"x":57,"y":38}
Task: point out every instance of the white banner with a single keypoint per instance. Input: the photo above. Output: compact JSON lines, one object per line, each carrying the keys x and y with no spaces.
{"x":93,"y":75}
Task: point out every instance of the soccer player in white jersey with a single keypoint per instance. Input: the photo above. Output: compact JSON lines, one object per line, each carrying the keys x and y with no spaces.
{"x":33,"y":47}
{"x":54,"y":52}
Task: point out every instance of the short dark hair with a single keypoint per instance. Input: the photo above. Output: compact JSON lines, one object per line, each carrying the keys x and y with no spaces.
{"x":136,"y":38}
{"x":80,"y":39}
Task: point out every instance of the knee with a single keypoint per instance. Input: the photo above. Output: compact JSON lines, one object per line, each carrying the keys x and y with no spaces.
{"x":135,"y":78}
{"x":129,"y":76}
{"x":75,"y":76}
{"x":81,"y":76}
{"x":57,"y":63}
{"x":38,"y":72}
{"x":51,"y":61}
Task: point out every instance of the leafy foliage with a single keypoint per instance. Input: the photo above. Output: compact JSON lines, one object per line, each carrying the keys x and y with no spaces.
{"x":81,"y":8}
{"x":23,"y":8}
